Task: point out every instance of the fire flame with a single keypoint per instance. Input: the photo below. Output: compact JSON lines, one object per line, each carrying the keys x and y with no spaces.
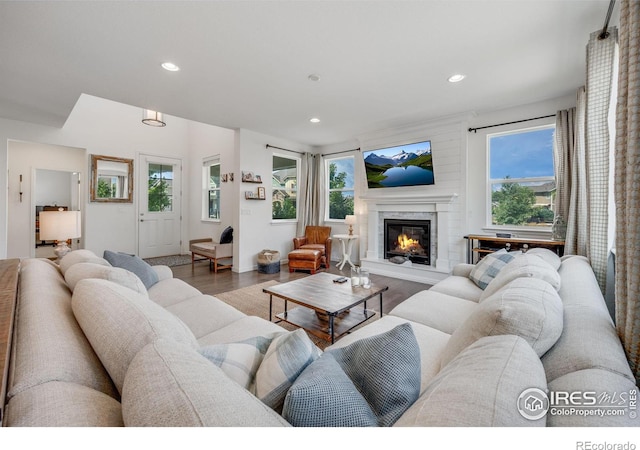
{"x":406,"y":243}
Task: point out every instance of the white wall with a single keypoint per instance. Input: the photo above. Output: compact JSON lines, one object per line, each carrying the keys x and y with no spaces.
{"x":107,"y":128}
{"x":255,"y":230}
{"x":53,"y":187}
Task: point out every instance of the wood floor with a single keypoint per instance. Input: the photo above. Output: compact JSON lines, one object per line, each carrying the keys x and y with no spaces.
{"x":212,"y":283}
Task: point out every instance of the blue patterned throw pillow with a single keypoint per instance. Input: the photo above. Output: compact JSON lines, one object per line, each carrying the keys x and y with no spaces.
{"x":370,"y":382}
{"x":488,"y":267}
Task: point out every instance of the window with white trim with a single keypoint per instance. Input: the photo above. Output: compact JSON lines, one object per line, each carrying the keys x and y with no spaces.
{"x":521,"y":178}
{"x":211,"y":188}
{"x":284,"y":184}
{"x":340,"y":191}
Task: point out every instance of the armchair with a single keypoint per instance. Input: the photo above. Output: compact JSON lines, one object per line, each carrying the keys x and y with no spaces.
{"x":316,"y":238}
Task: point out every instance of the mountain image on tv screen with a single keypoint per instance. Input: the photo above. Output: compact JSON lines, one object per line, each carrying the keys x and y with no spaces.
{"x":403,"y":165}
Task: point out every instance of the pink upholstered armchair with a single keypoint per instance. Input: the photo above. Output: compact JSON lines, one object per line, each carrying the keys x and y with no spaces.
{"x":316,"y":238}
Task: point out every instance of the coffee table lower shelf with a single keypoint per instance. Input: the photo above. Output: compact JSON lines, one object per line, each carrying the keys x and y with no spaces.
{"x":311,"y":321}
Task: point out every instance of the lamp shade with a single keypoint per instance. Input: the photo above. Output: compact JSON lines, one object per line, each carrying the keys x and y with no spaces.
{"x":60,"y":225}
{"x":350,"y":220}
{"x":152,"y":118}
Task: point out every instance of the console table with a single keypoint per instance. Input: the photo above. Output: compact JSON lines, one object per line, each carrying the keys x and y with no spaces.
{"x":479,"y":246}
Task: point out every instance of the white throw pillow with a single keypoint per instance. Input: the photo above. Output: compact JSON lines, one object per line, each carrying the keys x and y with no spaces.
{"x":547,"y":255}
{"x":526,"y":307}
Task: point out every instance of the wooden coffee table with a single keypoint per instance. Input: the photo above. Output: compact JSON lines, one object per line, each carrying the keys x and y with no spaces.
{"x":325,"y":307}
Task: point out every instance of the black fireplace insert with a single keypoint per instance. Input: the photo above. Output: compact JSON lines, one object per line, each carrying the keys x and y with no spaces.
{"x":408,"y":238}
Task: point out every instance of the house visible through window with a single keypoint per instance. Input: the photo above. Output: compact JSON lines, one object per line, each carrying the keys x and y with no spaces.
{"x":284,"y":183}
{"x":521,"y":177}
{"x":211,"y":188}
{"x":340,"y":184}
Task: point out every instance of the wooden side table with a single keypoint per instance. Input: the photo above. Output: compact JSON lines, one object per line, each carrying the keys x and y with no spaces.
{"x":479,"y":245}
{"x":347,"y":241}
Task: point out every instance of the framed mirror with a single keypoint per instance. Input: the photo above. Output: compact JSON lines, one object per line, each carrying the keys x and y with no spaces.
{"x":111,"y":179}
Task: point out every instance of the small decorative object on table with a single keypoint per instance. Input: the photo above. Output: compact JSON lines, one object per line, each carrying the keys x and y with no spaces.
{"x":355,"y":276}
{"x":365,"y":278}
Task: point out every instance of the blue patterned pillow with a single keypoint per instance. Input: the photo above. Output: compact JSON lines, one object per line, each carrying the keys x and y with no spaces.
{"x":134,"y":264}
{"x":239,"y":360}
{"x":370,"y":382}
{"x":488,"y":267}
{"x":287,"y":356}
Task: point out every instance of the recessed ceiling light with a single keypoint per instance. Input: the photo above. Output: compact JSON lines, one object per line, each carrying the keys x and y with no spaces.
{"x":170,"y":66}
{"x":314,"y":77}
{"x":314,"y":120}
{"x":456,"y":78}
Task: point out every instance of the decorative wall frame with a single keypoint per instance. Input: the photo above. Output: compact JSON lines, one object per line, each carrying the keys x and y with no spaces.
{"x":111,"y":179}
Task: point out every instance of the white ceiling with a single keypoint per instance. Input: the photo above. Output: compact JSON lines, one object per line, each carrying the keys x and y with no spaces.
{"x":245,"y":63}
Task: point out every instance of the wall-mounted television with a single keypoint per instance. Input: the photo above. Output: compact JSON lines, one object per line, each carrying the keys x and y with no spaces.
{"x":402,"y":165}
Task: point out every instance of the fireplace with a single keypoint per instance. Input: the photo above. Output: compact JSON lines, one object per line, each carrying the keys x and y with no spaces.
{"x":408,"y":238}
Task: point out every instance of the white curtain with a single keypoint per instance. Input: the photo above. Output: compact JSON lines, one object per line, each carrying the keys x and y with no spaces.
{"x":310,"y":192}
{"x":571,"y":175}
{"x":601,"y":72}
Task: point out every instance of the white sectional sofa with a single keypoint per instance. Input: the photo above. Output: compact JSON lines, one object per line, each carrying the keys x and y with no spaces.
{"x":93,"y":346}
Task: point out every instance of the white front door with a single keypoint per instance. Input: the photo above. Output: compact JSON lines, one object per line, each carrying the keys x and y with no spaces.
{"x":159,"y":200}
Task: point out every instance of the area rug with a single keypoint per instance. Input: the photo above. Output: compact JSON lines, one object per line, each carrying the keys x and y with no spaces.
{"x":253,"y":302}
{"x":171,"y":261}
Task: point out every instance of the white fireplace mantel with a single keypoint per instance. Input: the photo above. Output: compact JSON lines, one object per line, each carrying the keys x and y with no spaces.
{"x":435,"y":205}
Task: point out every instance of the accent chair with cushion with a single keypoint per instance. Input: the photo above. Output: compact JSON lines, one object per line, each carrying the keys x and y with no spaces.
{"x":316,"y":238}
{"x":214,"y":251}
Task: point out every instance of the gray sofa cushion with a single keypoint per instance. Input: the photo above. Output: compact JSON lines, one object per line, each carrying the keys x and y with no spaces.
{"x":48,"y":343}
{"x":525,"y":307}
{"x":612,"y":391}
{"x":78,"y":256}
{"x":119,"y":322}
{"x":170,"y":384}
{"x":481,"y":387}
{"x":134,"y":264}
{"x":62,"y":404}
{"x":123,"y":277}
{"x":204,"y":314}
{"x":381,"y":371}
{"x":547,"y":255}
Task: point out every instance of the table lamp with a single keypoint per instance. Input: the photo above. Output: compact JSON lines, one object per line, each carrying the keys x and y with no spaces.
{"x":60,"y":226}
{"x":351,"y":221}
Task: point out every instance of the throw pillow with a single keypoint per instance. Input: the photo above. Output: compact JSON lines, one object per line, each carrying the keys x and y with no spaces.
{"x":287,"y":356}
{"x":134,"y":264}
{"x":384,"y":371}
{"x":488,"y":267}
{"x":526,"y":307}
{"x":227,"y":236}
{"x":547,"y":255}
{"x":239,"y":360}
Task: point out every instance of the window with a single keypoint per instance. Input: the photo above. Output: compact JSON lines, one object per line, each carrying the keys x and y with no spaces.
{"x":340,"y":184}
{"x":284,"y":181}
{"x":160,"y":192}
{"x":211,"y":188}
{"x":521,"y":177}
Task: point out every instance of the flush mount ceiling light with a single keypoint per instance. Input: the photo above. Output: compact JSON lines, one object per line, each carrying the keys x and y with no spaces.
{"x":456,"y":78}
{"x":314,"y":77}
{"x":314,"y":120}
{"x":152,"y":118}
{"x":171,"y":67}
